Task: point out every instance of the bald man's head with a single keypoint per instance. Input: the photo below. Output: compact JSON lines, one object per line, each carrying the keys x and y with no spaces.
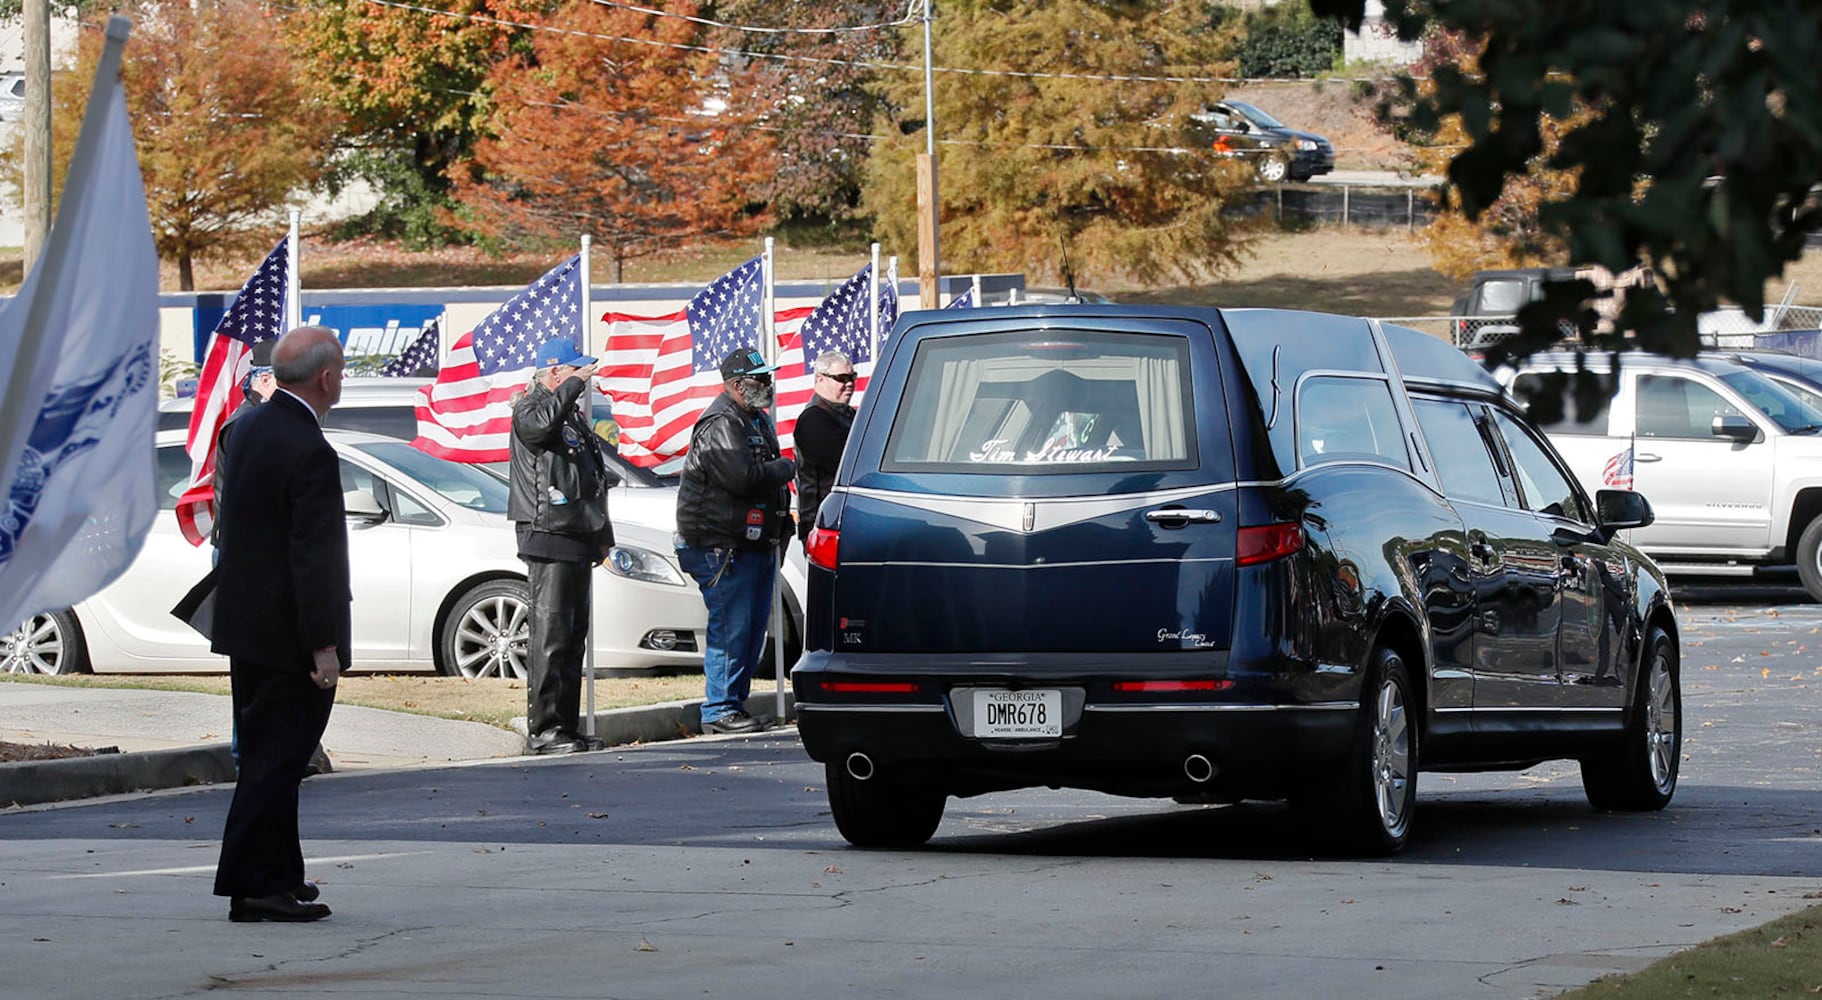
{"x":308,"y":362}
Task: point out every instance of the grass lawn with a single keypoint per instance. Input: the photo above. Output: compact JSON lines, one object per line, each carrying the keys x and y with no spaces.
{"x":1779,"y":959}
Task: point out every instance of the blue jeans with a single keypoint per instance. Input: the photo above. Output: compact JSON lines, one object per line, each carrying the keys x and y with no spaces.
{"x":737,"y":587}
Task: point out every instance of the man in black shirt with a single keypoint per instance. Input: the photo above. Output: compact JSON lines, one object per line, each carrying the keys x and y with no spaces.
{"x":821,"y":434}
{"x":558,"y":504}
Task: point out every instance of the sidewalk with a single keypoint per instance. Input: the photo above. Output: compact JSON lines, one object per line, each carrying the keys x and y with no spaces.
{"x":172,"y":738}
{"x":136,"y":720}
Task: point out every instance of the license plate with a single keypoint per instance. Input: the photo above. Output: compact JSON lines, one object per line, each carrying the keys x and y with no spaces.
{"x":1017,"y":714}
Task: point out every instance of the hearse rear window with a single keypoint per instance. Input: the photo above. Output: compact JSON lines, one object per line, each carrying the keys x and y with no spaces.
{"x":1046,"y":402}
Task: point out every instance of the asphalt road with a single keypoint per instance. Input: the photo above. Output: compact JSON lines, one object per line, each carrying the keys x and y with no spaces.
{"x":710,"y":868}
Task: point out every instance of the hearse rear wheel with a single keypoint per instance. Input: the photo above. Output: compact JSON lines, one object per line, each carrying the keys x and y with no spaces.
{"x":879,"y":812}
{"x":1639,"y":775}
{"x":1368,"y":809}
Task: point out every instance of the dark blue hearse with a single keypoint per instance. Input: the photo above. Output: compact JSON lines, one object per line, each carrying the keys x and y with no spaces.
{"x":1215,"y":555}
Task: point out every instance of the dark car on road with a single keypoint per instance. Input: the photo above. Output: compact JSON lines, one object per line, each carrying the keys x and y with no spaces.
{"x":1277,"y":151}
{"x":1800,"y":375}
{"x":1217,"y":555}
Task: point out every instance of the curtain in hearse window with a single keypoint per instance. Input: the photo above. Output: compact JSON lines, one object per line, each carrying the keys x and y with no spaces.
{"x":1043,"y":402}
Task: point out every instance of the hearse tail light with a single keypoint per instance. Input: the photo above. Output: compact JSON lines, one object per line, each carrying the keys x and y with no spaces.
{"x":1134,"y":687}
{"x":821,"y":546}
{"x":1265,"y":542}
{"x":869,"y":687}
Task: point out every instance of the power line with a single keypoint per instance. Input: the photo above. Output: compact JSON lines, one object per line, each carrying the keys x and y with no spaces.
{"x":862,"y":63}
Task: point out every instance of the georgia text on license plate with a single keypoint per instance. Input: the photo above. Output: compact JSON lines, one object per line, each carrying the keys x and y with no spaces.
{"x":1018,"y":714}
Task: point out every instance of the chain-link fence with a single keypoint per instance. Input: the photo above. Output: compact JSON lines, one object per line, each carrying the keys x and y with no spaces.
{"x":1344,"y":205}
{"x":1727,"y":329}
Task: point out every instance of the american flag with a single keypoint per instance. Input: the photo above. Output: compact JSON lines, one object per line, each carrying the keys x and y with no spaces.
{"x":662,"y":371}
{"x":1618,"y":473}
{"x":422,"y":354}
{"x":258,"y":313}
{"x":839,"y":323}
{"x":466,"y":414}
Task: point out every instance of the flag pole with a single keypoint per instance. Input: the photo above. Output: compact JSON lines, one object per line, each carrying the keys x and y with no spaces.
{"x":294,"y":278}
{"x":873,"y":311}
{"x":976,"y":285}
{"x":769,"y":337}
{"x":24,"y":393}
{"x":588,"y":404}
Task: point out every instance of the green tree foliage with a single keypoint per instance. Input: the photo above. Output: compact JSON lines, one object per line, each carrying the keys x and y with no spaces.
{"x":593,"y":134}
{"x":225,"y":126}
{"x":819,"y":101}
{"x":1287,"y":40}
{"x":412,"y":85}
{"x":1056,"y":175}
{"x":1695,"y":138}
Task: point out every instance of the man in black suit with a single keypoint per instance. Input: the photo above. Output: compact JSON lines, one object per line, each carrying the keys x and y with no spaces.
{"x":282,"y":618}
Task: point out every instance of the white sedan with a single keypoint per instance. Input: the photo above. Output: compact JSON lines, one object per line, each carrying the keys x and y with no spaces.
{"x":438,"y":584}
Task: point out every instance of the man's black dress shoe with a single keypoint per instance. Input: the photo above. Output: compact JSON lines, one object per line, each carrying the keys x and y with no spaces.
{"x":306,"y":892}
{"x":281,"y":907}
{"x":554,"y":742}
{"x":734,"y":722}
{"x":592,"y":742}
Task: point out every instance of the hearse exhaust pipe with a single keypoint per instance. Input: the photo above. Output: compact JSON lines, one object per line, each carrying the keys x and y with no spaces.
{"x":1198,"y":769}
{"x":860,"y":766}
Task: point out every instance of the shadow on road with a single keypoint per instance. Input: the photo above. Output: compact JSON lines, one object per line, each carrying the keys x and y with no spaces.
{"x":762,"y":794}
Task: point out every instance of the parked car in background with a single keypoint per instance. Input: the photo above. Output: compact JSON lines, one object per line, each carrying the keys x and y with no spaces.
{"x":1731,"y":458}
{"x":645,"y":498}
{"x":12,"y":97}
{"x":1488,"y":312}
{"x":1216,"y":555}
{"x":388,"y":406}
{"x":438,"y":584}
{"x":1277,"y":151}
{"x":1050,"y":296}
{"x":1800,"y":376}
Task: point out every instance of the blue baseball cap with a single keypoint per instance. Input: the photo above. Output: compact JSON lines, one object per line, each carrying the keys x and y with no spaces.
{"x":561,"y":351}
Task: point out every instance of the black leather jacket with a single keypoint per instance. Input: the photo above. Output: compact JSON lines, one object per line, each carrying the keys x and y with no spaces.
{"x":735,"y":491}
{"x":559,"y":476}
{"x":821,"y":434}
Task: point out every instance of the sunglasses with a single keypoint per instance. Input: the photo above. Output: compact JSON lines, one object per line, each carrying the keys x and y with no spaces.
{"x":758,"y":379}
{"x":846,"y":378}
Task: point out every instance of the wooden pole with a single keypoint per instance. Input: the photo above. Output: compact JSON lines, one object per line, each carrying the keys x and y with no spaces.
{"x":37,"y":126}
{"x":929,"y":267}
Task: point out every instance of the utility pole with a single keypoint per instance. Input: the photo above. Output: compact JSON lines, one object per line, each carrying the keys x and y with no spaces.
{"x":929,"y":257}
{"x":37,"y":125}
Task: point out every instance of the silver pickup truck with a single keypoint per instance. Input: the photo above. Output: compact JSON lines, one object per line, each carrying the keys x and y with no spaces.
{"x":1730,"y":459}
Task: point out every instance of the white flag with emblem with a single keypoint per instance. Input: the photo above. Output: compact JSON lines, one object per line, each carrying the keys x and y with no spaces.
{"x":79,"y":347}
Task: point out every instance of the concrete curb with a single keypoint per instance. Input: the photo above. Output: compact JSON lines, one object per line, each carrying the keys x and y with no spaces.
{"x":30,"y":782}
{"x":25,"y":783}
{"x":670,"y":720}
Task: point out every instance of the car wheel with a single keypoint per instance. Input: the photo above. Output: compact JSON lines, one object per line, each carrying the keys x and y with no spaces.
{"x":1639,"y":775}
{"x":488,"y":632}
{"x":1809,"y":559}
{"x":1369,"y":808}
{"x":1272,"y":168}
{"x":882,"y":813}
{"x":49,"y":643}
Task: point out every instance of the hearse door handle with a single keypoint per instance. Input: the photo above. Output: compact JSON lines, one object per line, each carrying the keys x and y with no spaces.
{"x":1176,"y":516}
{"x":1646,"y":456}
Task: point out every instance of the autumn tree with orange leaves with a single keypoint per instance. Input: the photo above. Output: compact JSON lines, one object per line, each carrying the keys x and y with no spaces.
{"x":411,"y":81}
{"x":225,"y":127}
{"x":608,"y":124}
